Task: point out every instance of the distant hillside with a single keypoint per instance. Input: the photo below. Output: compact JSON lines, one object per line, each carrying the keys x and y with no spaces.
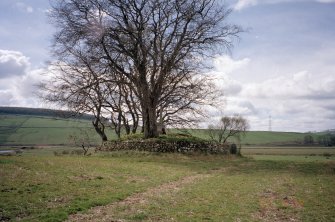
{"x":32,"y":126}
{"x":263,"y":138}
{"x":23,"y":130}
{"x":41,"y":112}
{"x":29,"y":126}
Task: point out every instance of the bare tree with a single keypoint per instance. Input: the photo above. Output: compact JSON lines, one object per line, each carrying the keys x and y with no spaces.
{"x":157,"y":45}
{"x":78,"y":87}
{"x":181,"y":104}
{"x":85,"y":90}
{"x":123,"y":107}
{"x":235,"y":126}
{"x":82,"y":140}
{"x":84,"y":84}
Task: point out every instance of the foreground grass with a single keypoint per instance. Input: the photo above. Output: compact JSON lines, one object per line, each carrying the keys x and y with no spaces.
{"x":50,"y":188}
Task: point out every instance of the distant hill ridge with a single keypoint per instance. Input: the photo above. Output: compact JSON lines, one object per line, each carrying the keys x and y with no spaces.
{"x":5,"y":110}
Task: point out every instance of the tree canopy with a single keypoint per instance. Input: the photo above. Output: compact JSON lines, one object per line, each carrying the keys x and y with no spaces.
{"x":138,"y":60}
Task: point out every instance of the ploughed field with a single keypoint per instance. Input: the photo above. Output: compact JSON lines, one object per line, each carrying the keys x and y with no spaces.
{"x":51,"y":184}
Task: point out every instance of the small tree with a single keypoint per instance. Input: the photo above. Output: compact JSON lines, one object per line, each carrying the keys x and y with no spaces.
{"x":234,"y":126}
{"x":82,"y":140}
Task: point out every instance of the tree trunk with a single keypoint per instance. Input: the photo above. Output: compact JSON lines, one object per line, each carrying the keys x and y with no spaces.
{"x":150,"y":122}
{"x":161,"y":126}
{"x":149,"y":106}
{"x":126,"y":125}
{"x":135,"y":125}
{"x":100,"y":131}
{"x":98,"y":125}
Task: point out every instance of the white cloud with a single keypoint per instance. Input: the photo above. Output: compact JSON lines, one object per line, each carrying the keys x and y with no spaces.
{"x":46,"y":11}
{"x":296,"y":102}
{"x":24,"y":7}
{"x":239,"y":106}
{"x":227,"y":65}
{"x":242,"y":4}
{"x":12,"y":63}
{"x":5,"y":97}
{"x":300,"y":85}
{"x":299,"y":101}
{"x":226,"y":84}
{"x":18,"y":80}
{"x":326,"y":1}
{"x":30,"y":9}
{"x":223,"y":66}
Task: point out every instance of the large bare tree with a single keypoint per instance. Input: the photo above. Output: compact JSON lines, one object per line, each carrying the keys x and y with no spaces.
{"x":156,"y":47}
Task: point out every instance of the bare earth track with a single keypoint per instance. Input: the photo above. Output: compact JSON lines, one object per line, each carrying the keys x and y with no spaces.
{"x":106,"y":213}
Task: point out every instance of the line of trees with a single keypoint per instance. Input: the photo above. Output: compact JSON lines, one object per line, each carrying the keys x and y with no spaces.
{"x":136,"y":62}
{"x":40,"y":112}
{"x":327,"y":139}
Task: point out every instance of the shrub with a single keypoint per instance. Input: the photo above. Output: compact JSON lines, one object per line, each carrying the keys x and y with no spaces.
{"x":233,"y":149}
{"x":77,"y":152}
{"x":327,"y":154}
{"x":65,"y":152}
{"x":28,"y":148}
{"x":137,"y":136}
{"x":18,"y":151}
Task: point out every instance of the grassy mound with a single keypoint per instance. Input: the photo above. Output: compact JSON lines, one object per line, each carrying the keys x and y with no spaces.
{"x":171,"y":137}
{"x":171,"y":143}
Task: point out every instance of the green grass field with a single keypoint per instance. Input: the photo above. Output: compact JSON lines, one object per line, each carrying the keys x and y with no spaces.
{"x":287,"y":150}
{"x":34,"y":130}
{"x":259,"y":137}
{"x":132,"y":186}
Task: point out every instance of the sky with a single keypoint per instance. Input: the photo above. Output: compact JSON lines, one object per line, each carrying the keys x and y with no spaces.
{"x":281,"y":67}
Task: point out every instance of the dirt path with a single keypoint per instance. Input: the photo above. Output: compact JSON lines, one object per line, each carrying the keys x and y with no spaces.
{"x":130,"y":204}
